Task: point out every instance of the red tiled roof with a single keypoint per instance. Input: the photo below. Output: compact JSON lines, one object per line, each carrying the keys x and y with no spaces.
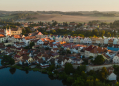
{"x":91,"y":47}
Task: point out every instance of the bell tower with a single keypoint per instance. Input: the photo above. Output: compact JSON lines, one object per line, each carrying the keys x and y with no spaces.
{"x":6,"y":32}
{"x":9,"y":31}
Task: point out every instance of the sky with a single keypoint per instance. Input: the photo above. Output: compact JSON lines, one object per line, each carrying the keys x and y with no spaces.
{"x":59,"y":5}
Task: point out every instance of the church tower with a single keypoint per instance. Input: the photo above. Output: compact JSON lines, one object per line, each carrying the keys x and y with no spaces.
{"x":9,"y":31}
{"x":5,"y":32}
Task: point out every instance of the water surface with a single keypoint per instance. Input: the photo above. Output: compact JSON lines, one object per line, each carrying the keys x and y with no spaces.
{"x":15,"y":77}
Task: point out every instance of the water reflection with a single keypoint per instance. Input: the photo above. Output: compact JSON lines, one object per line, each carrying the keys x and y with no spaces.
{"x":27,"y":71}
{"x":12,"y":70}
{"x":0,"y":63}
{"x":13,"y":77}
{"x":65,"y":83}
{"x":51,"y":77}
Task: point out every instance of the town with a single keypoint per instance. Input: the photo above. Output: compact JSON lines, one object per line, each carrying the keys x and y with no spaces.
{"x":44,"y":44}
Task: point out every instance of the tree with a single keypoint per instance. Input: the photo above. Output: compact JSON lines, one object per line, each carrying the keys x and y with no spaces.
{"x":91,"y":72}
{"x":51,"y":68}
{"x":117,"y":84}
{"x":98,"y":60}
{"x":109,"y":34}
{"x":68,"y":68}
{"x":90,"y":81}
{"x":11,"y":61}
{"x":80,"y":69}
{"x":90,"y":57}
{"x":70,"y":79}
{"x":6,"y":60}
{"x":103,"y":33}
{"x":53,"y":31}
{"x":79,"y":82}
{"x":98,"y":83}
{"x":103,"y":73}
{"x":31,"y":44}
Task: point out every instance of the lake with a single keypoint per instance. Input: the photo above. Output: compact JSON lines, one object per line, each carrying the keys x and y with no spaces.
{"x":0,"y":62}
{"x":16,"y":77}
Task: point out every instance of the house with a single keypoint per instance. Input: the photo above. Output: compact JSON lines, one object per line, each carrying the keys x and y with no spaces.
{"x":57,"y":38}
{"x":2,"y":46}
{"x":87,"y":41}
{"x":71,"y":24}
{"x":88,"y":49}
{"x":81,"y":40}
{"x":115,"y":41}
{"x":105,"y":41}
{"x":56,"y":50}
{"x":116,"y":59}
{"x":19,"y":44}
{"x":94,"y":51}
{"x":54,"y":55}
{"x":60,"y":38}
{"x":44,"y":65}
{"x":78,"y":40}
{"x":43,"y":40}
{"x":25,"y":59}
{"x":18,"y":58}
{"x":28,"y":39}
{"x":110,"y":41}
{"x":62,"y":60}
{"x":3,"y":38}
{"x":111,"y":54}
{"x":15,"y":38}
{"x":24,"y":25}
{"x":63,"y":39}
{"x":74,"y":40}
{"x":67,"y":39}
{"x":93,"y":40}
{"x":35,"y":33}
{"x":111,"y":76}
{"x":48,"y":29}
{"x":106,"y":57}
{"x":71,"y":40}
{"x":77,"y":61}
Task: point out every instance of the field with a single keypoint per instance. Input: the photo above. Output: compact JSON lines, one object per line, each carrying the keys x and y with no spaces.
{"x":6,"y":17}
{"x":71,"y":18}
{"x":48,"y":16}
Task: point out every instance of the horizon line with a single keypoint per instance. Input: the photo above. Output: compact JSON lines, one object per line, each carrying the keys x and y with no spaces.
{"x":59,"y":11}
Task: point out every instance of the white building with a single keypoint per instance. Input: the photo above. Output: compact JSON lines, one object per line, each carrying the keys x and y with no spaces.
{"x":116,"y":59}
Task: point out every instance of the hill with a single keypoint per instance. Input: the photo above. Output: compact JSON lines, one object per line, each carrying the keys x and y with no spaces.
{"x":80,"y":16}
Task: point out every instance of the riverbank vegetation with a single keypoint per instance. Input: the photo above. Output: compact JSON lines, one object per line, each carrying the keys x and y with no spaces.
{"x":7,"y":60}
{"x":71,"y":76}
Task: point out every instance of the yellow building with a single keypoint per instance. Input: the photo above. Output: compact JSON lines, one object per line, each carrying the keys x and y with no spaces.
{"x":16,"y":31}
